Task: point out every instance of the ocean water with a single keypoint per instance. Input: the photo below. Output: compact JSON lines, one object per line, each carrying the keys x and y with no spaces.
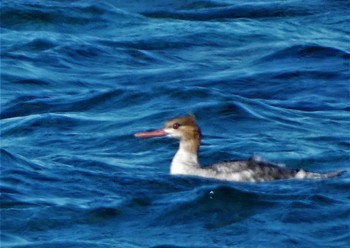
{"x":79,"y":78}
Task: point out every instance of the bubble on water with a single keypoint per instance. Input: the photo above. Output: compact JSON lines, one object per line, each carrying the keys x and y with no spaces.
{"x":211,"y":194}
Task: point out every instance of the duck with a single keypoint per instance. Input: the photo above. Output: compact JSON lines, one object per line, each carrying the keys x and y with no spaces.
{"x":186,"y":163}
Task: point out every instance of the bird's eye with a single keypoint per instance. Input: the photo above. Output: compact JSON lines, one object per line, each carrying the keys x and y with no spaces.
{"x":176,"y":125}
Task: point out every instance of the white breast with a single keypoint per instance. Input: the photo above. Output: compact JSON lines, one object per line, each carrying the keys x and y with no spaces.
{"x":184,"y":163}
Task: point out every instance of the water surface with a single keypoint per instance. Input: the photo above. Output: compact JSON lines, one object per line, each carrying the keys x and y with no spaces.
{"x":78,"y":78}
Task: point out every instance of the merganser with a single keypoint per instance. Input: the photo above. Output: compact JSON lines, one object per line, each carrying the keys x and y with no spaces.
{"x":185,"y":161}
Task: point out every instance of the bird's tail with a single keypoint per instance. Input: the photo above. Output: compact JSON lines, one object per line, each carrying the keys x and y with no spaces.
{"x":314,"y":175}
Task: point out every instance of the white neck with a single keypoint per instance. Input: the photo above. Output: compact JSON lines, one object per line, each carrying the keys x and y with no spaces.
{"x":185,"y":160}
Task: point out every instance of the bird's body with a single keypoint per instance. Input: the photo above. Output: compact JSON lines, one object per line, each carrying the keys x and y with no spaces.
{"x":185,"y":161}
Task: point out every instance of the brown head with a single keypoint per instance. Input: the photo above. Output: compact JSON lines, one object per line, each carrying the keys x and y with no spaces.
{"x":183,"y":128}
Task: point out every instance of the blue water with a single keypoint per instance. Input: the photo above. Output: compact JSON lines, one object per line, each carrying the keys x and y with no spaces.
{"x":78,"y":78}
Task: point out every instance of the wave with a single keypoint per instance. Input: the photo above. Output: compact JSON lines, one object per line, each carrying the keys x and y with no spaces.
{"x":34,"y":45}
{"x":32,"y":104}
{"x":79,"y":16}
{"x":217,"y":207}
{"x":18,"y":175}
{"x":313,"y":51}
{"x":10,"y":160}
{"x":17,"y":242}
{"x":253,"y":11}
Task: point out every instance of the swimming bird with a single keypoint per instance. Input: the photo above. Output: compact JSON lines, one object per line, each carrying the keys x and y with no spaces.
{"x":185,"y":161}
